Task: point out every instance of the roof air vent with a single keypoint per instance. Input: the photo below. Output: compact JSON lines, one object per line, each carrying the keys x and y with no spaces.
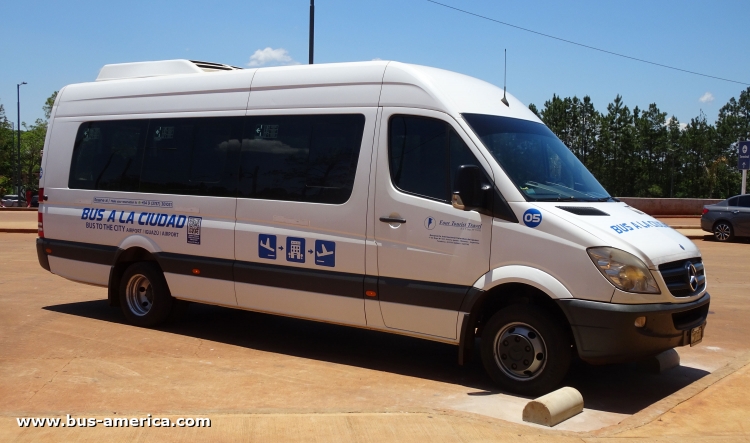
{"x":159,"y":68}
{"x":582,"y":210}
{"x":211,"y":67}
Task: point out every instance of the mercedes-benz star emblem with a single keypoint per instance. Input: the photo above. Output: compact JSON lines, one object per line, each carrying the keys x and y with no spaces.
{"x":692,"y":276}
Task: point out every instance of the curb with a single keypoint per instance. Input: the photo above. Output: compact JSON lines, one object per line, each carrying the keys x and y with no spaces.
{"x":656,"y":410}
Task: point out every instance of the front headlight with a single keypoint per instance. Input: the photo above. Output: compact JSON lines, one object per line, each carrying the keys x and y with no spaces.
{"x":626,"y":271}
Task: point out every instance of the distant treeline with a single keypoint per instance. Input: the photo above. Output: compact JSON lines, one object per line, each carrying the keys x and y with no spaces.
{"x":638,"y":153}
{"x":642,"y":153}
{"x":32,"y":142}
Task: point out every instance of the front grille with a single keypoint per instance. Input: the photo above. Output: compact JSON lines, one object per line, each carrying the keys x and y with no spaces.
{"x":689,"y":319}
{"x":677,"y":276}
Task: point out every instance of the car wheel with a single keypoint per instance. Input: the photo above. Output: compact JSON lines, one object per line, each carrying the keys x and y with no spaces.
{"x":723,"y":231}
{"x":144,"y":295}
{"x":525,"y":350}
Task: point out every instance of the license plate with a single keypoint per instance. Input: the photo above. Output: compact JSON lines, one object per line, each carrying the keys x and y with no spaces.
{"x":696,"y":335}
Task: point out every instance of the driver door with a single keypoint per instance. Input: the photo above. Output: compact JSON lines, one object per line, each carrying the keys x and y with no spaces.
{"x":428,"y":252}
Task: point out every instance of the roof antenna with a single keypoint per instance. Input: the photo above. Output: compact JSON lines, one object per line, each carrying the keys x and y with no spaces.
{"x":505,"y":77}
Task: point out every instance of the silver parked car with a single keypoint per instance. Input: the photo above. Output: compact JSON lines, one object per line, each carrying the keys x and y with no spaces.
{"x":728,"y":218}
{"x":12,"y":201}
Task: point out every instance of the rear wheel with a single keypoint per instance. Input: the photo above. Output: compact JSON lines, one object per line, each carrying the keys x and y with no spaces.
{"x":144,"y":295}
{"x":525,"y":350}
{"x":723,"y":231}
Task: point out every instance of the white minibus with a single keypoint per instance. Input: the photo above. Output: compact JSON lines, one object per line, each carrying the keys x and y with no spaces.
{"x":377,"y":195}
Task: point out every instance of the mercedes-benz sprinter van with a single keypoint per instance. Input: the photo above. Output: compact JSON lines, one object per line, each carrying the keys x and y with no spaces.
{"x":379,"y":195}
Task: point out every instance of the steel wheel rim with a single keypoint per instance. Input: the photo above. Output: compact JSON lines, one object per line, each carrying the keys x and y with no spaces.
{"x":520,"y":351}
{"x":139,"y":294}
{"x":722,"y":231}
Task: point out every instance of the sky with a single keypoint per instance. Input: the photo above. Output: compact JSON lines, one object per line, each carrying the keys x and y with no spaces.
{"x":50,"y":44}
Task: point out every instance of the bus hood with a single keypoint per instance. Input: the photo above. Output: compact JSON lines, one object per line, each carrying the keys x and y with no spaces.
{"x":624,"y":227}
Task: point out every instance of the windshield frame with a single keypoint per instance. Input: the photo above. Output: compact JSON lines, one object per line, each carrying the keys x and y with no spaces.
{"x":536,"y":133}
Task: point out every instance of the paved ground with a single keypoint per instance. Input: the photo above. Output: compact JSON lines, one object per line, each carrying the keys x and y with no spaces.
{"x":259,"y":377}
{"x":14,"y":220}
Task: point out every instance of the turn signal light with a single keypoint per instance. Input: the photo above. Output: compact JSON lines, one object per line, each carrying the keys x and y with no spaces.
{"x":371,"y":293}
{"x":640,"y":322}
{"x":196,"y":271}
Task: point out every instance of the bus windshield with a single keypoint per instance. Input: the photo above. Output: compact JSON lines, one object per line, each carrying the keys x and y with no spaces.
{"x":537,"y":162}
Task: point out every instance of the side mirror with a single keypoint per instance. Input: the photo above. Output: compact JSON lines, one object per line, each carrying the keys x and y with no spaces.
{"x":469,"y":192}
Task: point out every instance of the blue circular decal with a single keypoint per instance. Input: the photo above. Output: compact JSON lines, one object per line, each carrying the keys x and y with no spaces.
{"x":532,"y":218}
{"x":429,"y":223}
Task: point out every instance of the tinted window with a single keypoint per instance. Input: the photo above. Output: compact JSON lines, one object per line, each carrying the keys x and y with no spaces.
{"x":418,"y":156}
{"x":744,"y":201}
{"x":307,"y":158}
{"x":424,"y":155}
{"x":192,"y":156}
{"x":107,"y":155}
{"x":732,"y":201}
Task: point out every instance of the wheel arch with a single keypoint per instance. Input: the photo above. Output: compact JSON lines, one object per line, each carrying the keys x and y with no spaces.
{"x":123,"y":259}
{"x":503,"y":287}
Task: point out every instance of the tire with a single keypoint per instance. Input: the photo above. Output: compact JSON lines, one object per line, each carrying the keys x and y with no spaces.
{"x":527,"y":337}
{"x":144,"y":295}
{"x":723,"y":231}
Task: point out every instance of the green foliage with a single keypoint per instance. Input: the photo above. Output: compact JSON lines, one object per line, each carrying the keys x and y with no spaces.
{"x":32,"y":143}
{"x":644,"y":154}
{"x":48,"y":104}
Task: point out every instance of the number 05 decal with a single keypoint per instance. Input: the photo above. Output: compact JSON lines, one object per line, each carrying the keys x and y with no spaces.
{"x":532,"y":218}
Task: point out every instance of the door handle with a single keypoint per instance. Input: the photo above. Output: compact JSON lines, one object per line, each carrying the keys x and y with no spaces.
{"x":735,"y":212}
{"x":392,"y":220}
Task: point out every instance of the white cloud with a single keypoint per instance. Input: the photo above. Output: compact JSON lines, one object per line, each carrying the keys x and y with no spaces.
{"x":706,"y":98}
{"x":271,"y":57}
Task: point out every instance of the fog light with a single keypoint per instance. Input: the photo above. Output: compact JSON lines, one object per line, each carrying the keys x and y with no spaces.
{"x":640,"y":322}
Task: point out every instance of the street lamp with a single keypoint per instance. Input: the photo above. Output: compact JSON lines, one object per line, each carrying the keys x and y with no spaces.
{"x":18,"y":169}
{"x":312,"y":30}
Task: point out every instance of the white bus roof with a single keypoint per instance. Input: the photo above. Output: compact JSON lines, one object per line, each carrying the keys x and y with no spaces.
{"x":176,"y":86}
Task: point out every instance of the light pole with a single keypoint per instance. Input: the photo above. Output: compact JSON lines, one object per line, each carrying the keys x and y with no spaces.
{"x":312,"y":29}
{"x":18,"y":169}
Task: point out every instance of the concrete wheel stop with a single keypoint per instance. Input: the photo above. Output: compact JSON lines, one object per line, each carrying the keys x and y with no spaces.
{"x":554,"y":408}
{"x":661,"y":362}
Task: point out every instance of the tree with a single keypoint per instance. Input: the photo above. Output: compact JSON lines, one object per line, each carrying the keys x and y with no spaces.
{"x":6,"y":151}
{"x":32,"y":143}
{"x":651,"y":137}
{"x":48,"y":104}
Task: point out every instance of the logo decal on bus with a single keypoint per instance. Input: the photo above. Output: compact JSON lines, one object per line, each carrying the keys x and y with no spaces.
{"x":267,"y":246}
{"x":430,"y":223}
{"x":194,"y":230}
{"x":532,"y":218}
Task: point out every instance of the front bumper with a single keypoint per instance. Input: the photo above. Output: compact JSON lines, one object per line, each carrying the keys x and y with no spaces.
{"x":606,"y":333}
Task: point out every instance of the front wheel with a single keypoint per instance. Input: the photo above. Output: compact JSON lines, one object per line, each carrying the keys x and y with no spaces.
{"x":525,"y":350}
{"x":723,"y":231}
